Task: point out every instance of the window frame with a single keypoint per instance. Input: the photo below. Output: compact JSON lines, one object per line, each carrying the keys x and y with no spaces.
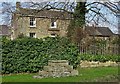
{"x":53,"y":22}
{"x":33,"y":21}
{"x":34,"y":36}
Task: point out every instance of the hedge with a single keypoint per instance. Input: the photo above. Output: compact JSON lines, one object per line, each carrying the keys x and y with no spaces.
{"x":30,"y":54}
{"x":100,"y":58}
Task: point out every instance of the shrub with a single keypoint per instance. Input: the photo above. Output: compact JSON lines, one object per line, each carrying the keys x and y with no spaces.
{"x":30,"y":54}
{"x":101,"y":58}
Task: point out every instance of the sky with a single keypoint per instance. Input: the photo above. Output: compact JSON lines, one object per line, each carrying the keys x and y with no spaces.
{"x":0,"y":13}
{"x":55,"y":0}
{"x":110,"y":17}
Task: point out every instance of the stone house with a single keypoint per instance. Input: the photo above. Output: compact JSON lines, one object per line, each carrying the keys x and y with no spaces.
{"x":39,"y":23}
{"x":96,"y":34}
{"x":5,"y":31}
{"x":99,"y":32}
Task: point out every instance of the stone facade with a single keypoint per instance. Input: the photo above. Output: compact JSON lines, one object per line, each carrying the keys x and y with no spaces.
{"x":101,"y":33}
{"x":43,"y":20}
{"x":57,"y":68}
{"x":5,"y":31}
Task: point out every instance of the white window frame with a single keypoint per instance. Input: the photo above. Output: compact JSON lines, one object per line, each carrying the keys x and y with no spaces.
{"x":55,"y":24}
{"x":53,"y":35}
{"x":33,"y":36}
{"x":33,"y":22}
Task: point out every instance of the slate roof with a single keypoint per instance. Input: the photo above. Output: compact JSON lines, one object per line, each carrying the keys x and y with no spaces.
{"x":99,"y":31}
{"x":4,"y":30}
{"x":45,"y":13}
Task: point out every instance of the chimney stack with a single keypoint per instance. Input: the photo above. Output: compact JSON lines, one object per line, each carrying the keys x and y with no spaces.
{"x":18,"y":6}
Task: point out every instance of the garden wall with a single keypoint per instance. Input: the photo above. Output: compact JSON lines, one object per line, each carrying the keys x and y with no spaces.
{"x":97,"y":64}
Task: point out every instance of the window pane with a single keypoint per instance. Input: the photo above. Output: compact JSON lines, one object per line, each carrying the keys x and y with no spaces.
{"x":32,"y":21}
{"x":32,"y":18}
{"x":32,"y":34}
{"x":52,"y":24}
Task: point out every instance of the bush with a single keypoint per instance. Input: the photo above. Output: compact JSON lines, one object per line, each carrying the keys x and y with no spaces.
{"x":101,"y":58}
{"x":30,"y":54}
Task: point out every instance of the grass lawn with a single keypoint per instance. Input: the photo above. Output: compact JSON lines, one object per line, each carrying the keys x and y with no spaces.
{"x":85,"y":74}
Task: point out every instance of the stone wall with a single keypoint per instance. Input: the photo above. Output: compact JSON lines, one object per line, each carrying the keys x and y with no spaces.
{"x":57,"y":68}
{"x":97,"y":64}
{"x":42,"y":29}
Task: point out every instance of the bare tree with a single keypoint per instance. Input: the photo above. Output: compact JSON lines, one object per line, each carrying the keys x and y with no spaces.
{"x":83,"y":12}
{"x":93,"y":9}
{"x":7,"y":10}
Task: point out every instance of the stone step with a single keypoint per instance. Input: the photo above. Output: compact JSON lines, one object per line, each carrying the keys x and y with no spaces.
{"x":48,"y":68}
{"x":43,"y":73}
{"x":57,"y":68}
{"x":58,"y":61}
{"x":57,"y":64}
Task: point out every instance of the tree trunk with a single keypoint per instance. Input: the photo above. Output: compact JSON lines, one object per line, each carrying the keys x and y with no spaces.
{"x":78,"y":21}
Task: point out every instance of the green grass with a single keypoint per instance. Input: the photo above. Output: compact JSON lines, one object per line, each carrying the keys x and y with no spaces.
{"x":85,"y":74}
